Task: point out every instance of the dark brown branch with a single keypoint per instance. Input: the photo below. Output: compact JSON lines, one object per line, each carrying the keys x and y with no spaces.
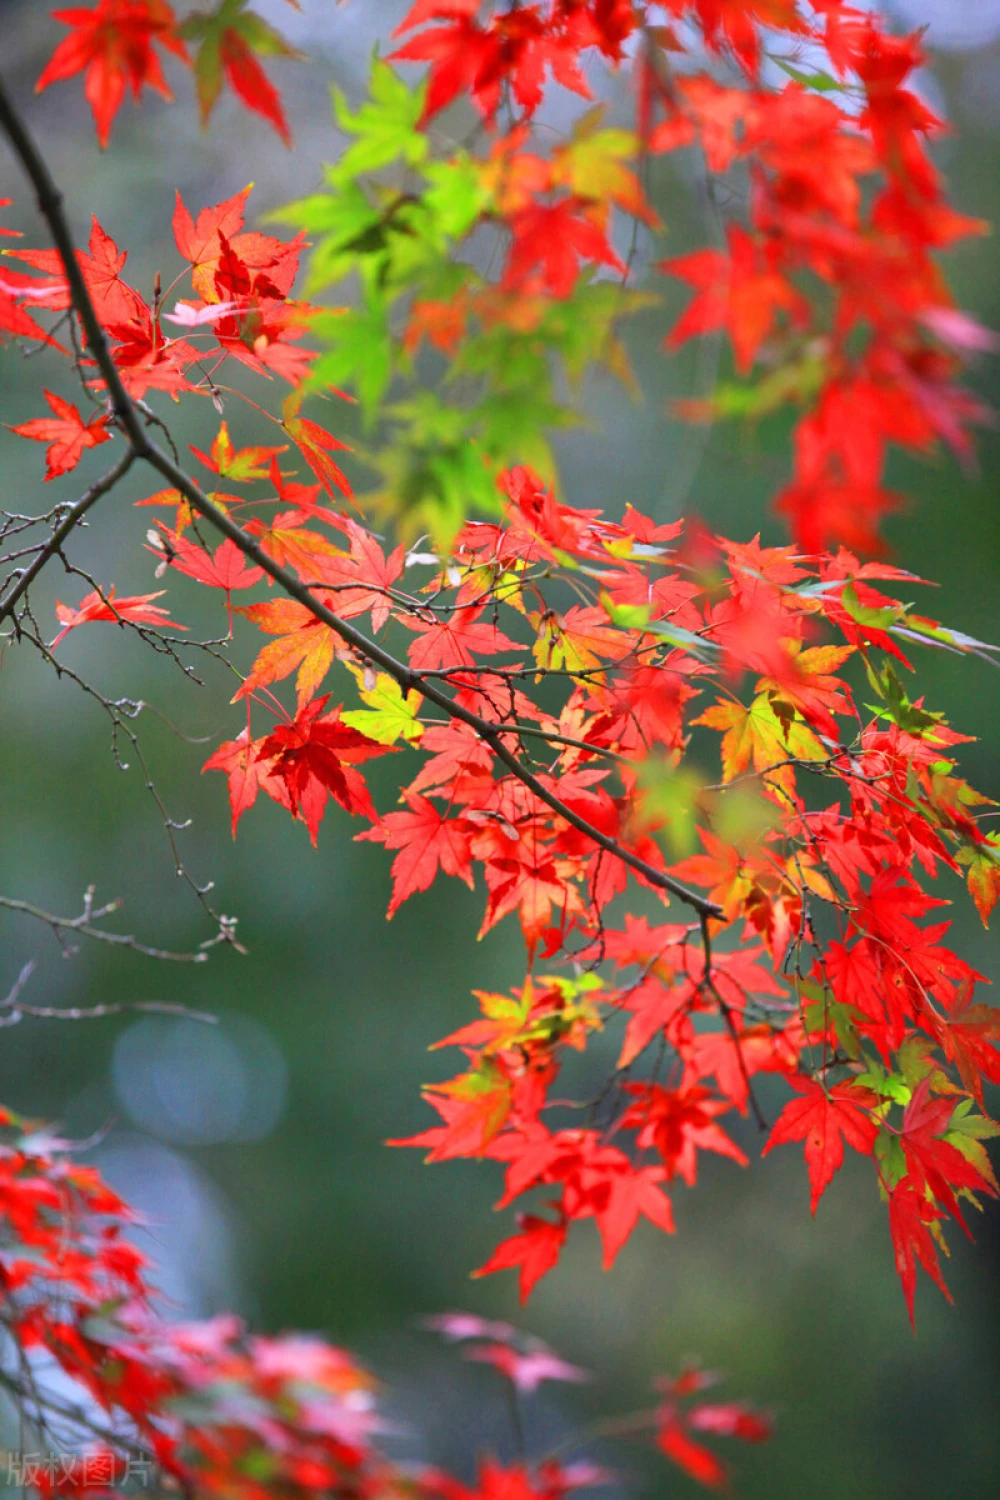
{"x":50,"y":204}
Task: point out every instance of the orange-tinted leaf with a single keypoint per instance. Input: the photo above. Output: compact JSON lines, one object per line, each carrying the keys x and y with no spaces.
{"x":67,"y":434}
{"x":316,"y":446}
{"x":306,"y":645}
{"x":200,"y":241}
{"x":138,"y":610}
{"x":742,"y":292}
{"x":238,"y":465}
{"x":428,"y":840}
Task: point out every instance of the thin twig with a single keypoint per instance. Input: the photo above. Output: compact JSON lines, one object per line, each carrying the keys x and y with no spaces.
{"x":72,"y":519}
{"x":725,"y":1008}
{"x":83,"y":926}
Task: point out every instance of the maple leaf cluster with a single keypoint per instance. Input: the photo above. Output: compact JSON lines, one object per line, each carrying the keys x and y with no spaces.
{"x":830,"y":290}
{"x":209,"y":1407}
{"x":240,"y":310}
{"x":845,"y":198}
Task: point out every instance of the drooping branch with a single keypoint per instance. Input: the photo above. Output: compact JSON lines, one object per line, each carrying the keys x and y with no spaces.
{"x":127,"y":415}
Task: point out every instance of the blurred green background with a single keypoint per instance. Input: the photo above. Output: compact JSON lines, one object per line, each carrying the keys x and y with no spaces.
{"x":256,"y":1147}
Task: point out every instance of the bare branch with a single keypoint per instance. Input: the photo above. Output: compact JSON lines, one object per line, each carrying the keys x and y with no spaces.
{"x":69,"y":523}
{"x":85,"y":925}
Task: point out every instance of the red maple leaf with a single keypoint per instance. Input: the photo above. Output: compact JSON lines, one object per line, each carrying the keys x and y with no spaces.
{"x":368,"y":567}
{"x":550,"y":240}
{"x":678,"y":1123}
{"x":102,"y":264}
{"x":733,"y":1062}
{"x":66,"y":432}
{"x":114,"y":42}
{"x":824,"y":1119}
{"x":250,"y":83}
{"x":459,"y":760}
{"x":913,"y":1221}
{"x":970,"y":1037}
{"x":652,"y":1007}
{"x":248,"y":772}
{"x":741,"y":292}
{"x":268,"y":267}
{"x":618,"y":1196}
{"x":15,"y":287}
{"x":459,"y":52}
{"x":474,"y":1107}
{"x":535,"y":1250}
{"x":199,"y":240}
{"x":532,"y":885}
{"x":289,"y":543}
{"x":226,"y":569}
{"x":316,"y":446}
{"x":146,"y":360}
{"x":516,"y":47}
{"x":454,"y":641}
{"x":138,"y":610}
{"x":13,"y":318}
{"x":315,"y":756}
{"x":738,"y":23}
{"x":428,"y":841}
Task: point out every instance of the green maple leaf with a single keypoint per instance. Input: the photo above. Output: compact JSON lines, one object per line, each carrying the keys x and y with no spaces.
{"x":360,"y":354}
{"x":384,"y":127}
{"x":391,"y":715}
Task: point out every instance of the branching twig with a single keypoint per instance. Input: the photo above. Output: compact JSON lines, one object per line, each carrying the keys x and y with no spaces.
{"x":84,"y":926}
{"x":71,"y":520}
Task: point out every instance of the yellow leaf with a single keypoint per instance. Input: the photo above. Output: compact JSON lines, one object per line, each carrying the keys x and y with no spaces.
{"x":390,"y":716}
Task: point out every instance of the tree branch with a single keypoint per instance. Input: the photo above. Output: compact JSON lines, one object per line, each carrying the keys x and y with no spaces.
{"x":85,"y":926}
{"x":50,"y":203}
